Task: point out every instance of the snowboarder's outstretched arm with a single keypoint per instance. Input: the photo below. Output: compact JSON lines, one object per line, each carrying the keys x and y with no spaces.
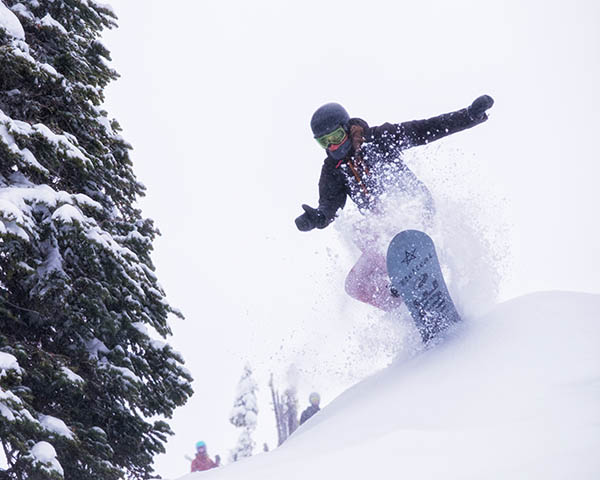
{"x":421,"y":132}
{"x":332,"y":197}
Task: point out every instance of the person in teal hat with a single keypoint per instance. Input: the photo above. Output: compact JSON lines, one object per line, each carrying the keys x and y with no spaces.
{"x":202,"y":461}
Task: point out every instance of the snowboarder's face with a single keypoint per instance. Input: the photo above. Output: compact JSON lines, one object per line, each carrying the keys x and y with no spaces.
{"x":201,"y":450}
{"x":333,"y":140}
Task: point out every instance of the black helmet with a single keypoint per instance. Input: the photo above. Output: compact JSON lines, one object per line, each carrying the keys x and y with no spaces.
{"x":327,"y":118}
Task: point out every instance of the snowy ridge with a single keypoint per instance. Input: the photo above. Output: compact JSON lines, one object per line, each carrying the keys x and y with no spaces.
{"x":514,"y":395}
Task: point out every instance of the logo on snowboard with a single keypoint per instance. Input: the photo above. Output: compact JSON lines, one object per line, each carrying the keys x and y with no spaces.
{"x":409,"y":256}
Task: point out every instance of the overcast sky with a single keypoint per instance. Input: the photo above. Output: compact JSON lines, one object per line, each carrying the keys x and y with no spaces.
{"x":216,"y":98}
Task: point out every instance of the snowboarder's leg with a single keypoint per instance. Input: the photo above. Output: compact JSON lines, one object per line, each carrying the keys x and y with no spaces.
{"x":368,"y":282}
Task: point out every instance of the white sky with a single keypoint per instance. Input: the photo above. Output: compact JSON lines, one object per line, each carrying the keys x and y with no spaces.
{"x":216,"y":98}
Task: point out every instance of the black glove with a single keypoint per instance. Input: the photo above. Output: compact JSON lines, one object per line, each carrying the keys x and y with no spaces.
{"x":479,"y":106}
{"x":311,"y":218}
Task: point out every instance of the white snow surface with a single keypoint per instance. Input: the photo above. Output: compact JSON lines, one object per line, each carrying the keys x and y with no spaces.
{"x":10,"y":22}
{"x":48,"y":21}
{"x":72,"y":376}
{"x":106,"y":6}
{"x":45,"y":454}
{"x":65,"y":142}
{"x":8,"y":362}
{"x":56,"y":425}
{"x":23,"y":11}
{"x":514,"y":394}
{"x":68,"y":214}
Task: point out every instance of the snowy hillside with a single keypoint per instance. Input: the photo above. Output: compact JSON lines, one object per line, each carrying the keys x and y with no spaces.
{"x":514,"y":395}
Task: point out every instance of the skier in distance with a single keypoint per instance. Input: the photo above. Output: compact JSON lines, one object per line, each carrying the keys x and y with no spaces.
{"x":314,"y":399}
{"x":202,"y":461}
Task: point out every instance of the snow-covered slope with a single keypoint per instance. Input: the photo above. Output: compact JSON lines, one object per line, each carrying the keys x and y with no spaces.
{"x":513,"y":395}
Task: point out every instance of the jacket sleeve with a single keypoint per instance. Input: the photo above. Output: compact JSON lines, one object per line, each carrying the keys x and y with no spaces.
{"x":332,"y":192}
{"x":421,"y":132}
{"x":303,"y":417}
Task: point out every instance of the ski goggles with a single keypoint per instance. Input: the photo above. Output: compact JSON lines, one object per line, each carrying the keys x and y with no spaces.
{"x":334,"y":138}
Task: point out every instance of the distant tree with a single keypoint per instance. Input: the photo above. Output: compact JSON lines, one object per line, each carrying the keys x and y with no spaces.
{"x":83,"y":381}
{"x":290,"y":401}
{"x":244,"y":415}
{"x":286,"y":411}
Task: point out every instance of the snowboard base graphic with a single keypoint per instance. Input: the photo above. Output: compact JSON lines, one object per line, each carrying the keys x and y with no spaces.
{"x":416,"y":276}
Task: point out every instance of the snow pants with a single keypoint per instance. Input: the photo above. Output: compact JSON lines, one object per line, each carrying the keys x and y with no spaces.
{"x":368,"y":282}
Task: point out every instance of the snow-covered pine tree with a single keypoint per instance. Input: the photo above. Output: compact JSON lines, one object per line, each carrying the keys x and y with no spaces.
{"x":244,"y":414}
{"x":286,"y":411}
{"x":290,"y":401}
{"x":82,"y":377}
{"x":280,"y":423}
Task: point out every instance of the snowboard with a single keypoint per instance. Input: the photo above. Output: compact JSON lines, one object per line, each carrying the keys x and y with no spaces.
{"x":416,"y":276}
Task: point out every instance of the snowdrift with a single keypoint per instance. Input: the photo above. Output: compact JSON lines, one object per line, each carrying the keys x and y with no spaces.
{"x":513,"y":395}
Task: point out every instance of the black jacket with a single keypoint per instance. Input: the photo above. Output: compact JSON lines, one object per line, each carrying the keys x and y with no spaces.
{"x":309,"y":412}
{"x":367,"y":171}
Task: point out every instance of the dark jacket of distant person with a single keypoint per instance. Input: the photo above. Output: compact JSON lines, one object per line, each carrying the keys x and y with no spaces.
{"x":202,"y":462}
{"x":308,"y":413}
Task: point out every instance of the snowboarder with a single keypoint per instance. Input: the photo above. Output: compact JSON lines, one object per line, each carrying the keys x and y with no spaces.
{"x":364,"y":162}
{"x":314,"y":399}
{"x":202,"y":461}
